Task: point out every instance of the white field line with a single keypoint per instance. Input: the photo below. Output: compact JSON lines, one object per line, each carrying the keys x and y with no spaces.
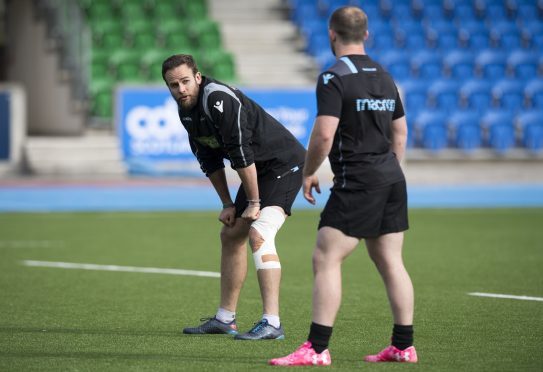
{"x":130,"y":269}
{"x":495,"y":295}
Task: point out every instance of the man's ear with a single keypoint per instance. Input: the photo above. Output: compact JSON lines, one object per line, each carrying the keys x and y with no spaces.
{"x":198,"y":78}
{"x":332,"y":35}
{"x":366,"y":35}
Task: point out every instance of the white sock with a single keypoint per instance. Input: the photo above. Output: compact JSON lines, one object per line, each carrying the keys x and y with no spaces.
{"x":225,"y":316}
{"x":272,"y":320}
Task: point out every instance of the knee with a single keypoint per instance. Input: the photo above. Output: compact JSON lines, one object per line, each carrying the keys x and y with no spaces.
{"x":255,"y":239}
{"x":231,"y":235}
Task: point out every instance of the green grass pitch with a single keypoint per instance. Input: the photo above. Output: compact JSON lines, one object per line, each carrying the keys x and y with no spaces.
{"x":75,"y":320}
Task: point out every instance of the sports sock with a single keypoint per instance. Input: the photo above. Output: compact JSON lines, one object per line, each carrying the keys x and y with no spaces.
{"x":272,"y":320}
{"x":319,"y":336}
{"x":402,"y":336}
{"x":225,"y":316}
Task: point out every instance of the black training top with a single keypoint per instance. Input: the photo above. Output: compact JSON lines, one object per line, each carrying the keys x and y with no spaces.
{"x":365,"y":99}
{"x":226,"y":124}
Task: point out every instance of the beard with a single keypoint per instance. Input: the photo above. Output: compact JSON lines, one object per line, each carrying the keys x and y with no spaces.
{"x":187,"y":104}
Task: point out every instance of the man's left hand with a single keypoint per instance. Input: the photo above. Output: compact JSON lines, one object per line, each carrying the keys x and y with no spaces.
{"x":251,"y":213}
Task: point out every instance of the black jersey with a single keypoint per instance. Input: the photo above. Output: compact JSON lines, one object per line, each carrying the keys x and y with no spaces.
{"x":226,"y":124}
{"x":365,"y":99}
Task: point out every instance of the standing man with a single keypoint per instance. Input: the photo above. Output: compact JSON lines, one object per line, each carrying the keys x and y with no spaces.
{"x":361,"y":126}
{"x":222,"y":123}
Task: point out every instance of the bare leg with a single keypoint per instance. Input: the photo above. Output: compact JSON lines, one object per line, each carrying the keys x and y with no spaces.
{"x":233,"y":263}
{"x":386,"y":253}
{"x":332,"y":248}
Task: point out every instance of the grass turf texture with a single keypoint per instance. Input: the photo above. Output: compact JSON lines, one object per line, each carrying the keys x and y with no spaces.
{"x":57,"y":319}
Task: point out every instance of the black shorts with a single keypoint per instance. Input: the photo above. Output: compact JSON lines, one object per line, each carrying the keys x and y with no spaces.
{"x":367,"y":213}
{"x":273,"y":191}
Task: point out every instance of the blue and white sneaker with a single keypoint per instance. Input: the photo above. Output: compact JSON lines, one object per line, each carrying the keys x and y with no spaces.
{"x":213,"y":326}
{"x":263,"y":331}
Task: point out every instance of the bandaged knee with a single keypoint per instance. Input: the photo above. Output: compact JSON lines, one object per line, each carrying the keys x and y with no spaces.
{"x":268,"y":224}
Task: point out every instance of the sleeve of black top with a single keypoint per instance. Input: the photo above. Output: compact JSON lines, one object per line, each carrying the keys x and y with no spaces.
{"x":230,"y":116}
{"x":210,"y":161}
{"x":398,"y":109}
{"x":329,"y":95}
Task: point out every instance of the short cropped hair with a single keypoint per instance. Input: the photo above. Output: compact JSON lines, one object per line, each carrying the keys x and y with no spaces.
{"x":178,"y":60}
{"x":350,"y":24}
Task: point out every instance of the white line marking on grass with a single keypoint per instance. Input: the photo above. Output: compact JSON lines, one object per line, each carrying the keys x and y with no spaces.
{"x":495,"y":295}
{"x":130,"y":269}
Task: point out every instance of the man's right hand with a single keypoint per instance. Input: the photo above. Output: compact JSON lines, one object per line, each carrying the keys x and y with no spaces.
{"x":228,"y":216}
{"x":309,"y":183}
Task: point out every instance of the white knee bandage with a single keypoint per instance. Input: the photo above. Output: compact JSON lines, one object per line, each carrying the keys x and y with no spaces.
{"x":268,"y":224}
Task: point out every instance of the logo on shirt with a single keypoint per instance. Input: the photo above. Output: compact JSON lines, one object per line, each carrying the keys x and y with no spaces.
{"x":326,"y":78}
{"x":375,"y":104}
{"x":210,"y":141}
{"x":218,"y":106}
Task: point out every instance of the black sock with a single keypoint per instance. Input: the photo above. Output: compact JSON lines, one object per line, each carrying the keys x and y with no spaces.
{"x":319,"y":336}
{"x":402,"y":336}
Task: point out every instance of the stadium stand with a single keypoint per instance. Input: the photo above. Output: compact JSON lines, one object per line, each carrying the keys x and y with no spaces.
{"x":477,"y":62}
{"x":130,"y":39}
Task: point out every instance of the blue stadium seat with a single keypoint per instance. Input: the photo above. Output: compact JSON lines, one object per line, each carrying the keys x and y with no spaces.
{"x":476,"y":94}
{"x":532,"y":34}
{"x":442,"y":35}
{"x":426,"y":64}
{"x":381,"y":37}
{"x":431,"y":130}
{"x":506,"y":35}
{"x":412,"y":30}
{"x":465,"y":129}
{"x":396,"y":62}
{"x":491,"y":10}
{"x":443,"y":94}
{"x":464,"y":12}
{"x":531,"y":124}
{"x":491,"y":64}
{"x":499,"y":127}
{"x":414,"y":93}
{"x":473,"y":35}
{"x":509,"y":94}
{"x":527,"y":12}
{"x":318,"y":42}
{"x":533,"y":93}
{"x":523,"y":64}
{"x":459,"y":64}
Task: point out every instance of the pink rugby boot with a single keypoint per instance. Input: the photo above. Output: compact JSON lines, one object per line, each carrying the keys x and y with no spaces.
{"x":305,"y":355}
{"x":393,"y":354}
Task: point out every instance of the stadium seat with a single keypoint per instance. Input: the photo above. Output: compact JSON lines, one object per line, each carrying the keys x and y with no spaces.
{"x":126,"y":64}
{"x":533,"y":93}
{"x":501,"y":138}
{"x":490,"y":10}
{"x":459,"y":64}
{"x":430,"y":129}
{"x":381,"y":37}
{"x":442,"y":35}
{"x":426,"y":64}
{"x":531,"y":125}
{"x":317,"y":43}
{"x":205,"y":33}
{"x":499,"y":128}
{"x":523,"y":64}
{"x":414,"y":93}
{"x":509,"y":94}
{"x":151,"y":63}
{"x":101,"y":98}
{"x":473,"y":35}
{"x":443,"y":94}
{"x":463,"y":12}
{"x":396,"y":62}
{"x":218,"y":63}
{"x":532,"y":34}
{"x":476,"y":94}
{"x":465,"y":129}
{"x":491,"y":64}
{"x":505,"y":35}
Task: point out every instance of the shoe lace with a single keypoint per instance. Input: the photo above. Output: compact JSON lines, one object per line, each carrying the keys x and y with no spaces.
{"x":258,"y":326}
{"x":207,"y":319}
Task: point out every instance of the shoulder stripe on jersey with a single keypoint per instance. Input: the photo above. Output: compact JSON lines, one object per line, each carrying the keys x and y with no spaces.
{"x":214,"y":87}
{"x":349,"y":64}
